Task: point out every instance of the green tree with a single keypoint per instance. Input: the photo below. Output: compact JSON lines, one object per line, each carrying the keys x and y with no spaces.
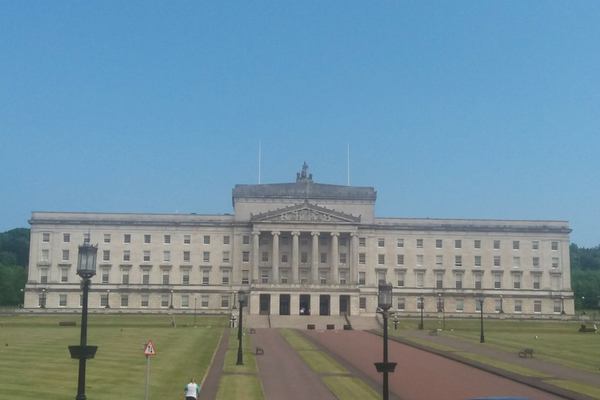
{"x":14,"y":261}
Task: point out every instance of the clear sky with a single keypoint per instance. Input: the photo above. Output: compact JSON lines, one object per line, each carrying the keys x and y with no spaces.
{"x":451,"y":109}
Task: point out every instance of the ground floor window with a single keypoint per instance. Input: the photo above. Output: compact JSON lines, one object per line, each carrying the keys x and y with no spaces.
{"x":401,"y":304}
{"x":460,"y":305}
{"x":362,"y":302}
{"x":204,"y":301}
{"x":62,"y":300}
{"x":124,"y":300}
{"x":185,"y":301}
{"x":537,"y":306}
{"x":164,"y":300}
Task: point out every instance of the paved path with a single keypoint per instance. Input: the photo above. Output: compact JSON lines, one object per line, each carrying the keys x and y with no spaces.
{"x":210,"y":385}
{"x":420,"y":375}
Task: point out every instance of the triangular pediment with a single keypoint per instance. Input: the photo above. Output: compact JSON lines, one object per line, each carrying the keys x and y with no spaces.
{"x":305,"y":212}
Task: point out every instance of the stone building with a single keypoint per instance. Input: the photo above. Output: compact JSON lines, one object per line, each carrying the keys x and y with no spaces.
{"x":301,"y":248}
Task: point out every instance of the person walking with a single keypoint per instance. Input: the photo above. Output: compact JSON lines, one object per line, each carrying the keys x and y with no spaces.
{"x":191,"y":391}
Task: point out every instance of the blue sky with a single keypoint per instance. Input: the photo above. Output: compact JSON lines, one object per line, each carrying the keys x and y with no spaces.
{"x":450,"y":109}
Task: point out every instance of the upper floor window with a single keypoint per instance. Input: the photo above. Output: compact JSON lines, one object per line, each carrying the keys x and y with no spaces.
{"x":66,"y":237}
{"x":438,"y":243}
{"x":400,"y":242}
{"x":187,"y":239}
{"x":535,"y":245}
{"x":477,"y":244}
{"x":458,"y":244}
{"x":516,"y":245}
{"x":126,"y":238}
{"x":167,"y":239}
{"x":107,"y":238}
{"x":496,"y":245}
{"x":381,"y":242}
{"x":419,"y":243}
{"x":362,"y":242}
{"x":147,"y":239}
{"x":225,"y":240}
{"x":554,"y":246}
{"x":45,"y":237}
{"x":206,"y":239}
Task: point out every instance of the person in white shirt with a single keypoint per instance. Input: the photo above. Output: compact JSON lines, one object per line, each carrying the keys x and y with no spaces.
{"x":191,"y":391}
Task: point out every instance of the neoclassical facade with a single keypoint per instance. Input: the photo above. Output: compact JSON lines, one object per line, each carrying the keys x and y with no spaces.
{"x":301,"y":248}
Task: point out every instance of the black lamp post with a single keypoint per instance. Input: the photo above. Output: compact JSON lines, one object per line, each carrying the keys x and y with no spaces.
{"x":171,"y":306}
{"x":481,"y":339}
{"x":86,"y":269}
{"x":422,"y":307}
{"x":384,"y":302}
{"x":195,"y":311}
{"x":22,"y":298}
{"x":501,"y":305}
{"x":562,"y":304}
{"x":582,"y":306}
{"x":442,"y":309}
{"x":242,"y":297}
{"x":107,"y":298}
{"x":43,"y":305}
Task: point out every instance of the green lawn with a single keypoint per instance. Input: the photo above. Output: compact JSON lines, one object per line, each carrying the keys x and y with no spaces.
{"x":247,"y":387}
{"x":347,"y":388}
{"x":35,"y":349}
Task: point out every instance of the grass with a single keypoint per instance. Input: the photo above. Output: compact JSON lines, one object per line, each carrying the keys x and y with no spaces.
{"x":348,"y":388}
{"x":37,"y":352}
{"x":592,"y":391}
{"x":296,"y":341}
{"x":231,"y":360}
{"x":517,"y":369}
{"x":321,"y":363}
{"x":247,"y":387}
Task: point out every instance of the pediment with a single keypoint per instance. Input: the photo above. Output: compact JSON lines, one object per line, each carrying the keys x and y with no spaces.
{"x":305,"y":212}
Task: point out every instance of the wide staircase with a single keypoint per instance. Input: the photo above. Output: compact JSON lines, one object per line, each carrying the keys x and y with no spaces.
{"x":317,"y":322}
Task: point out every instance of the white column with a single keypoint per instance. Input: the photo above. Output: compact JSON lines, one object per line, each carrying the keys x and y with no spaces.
{"x":295,"y":260}
{"x":314,"y":265}
{"x":275,"y":257}
{"x":354,"y":258}
{"x":255,"y":256}
{"x":335,"y":259}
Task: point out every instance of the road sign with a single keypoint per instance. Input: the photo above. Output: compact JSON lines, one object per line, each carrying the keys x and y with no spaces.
{"x":149,"y":350}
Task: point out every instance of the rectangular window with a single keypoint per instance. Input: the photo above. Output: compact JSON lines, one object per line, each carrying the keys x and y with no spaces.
{"x":105,"y":275}
{"x":477,"y":244}
{"x":285,"y":240}
{"x":166,"y":256}
{"x":225,"y":276}
{"x":264,"y":275}
{"x":205,"y":276}
{"x":362,"y":258}
{"x":497,"y":305}
{"x":536,"y":281}
{"x":165,"y":277}
{"x":45,"y":255}
{"x":361,"y":278}
{"x":323,"y":258}
{"x":145,"y":277}
{"x":284,"y":276}
{"x":107,"y":238}
{"x":127,"y":238}
{"x":420,"y":278}
{"x":419,"y":260}
{"x":224,"y":301}
{"x":554,"y":246}
{"x":555,"y":282}
{"x":303,"y":276}
{"x":496,"y":261}
{"x":478,"y":281}
{"x":458,"y":244}
{"x":516,"y":262}
{"x":206,"y":256}
{"x":381,"y":277}
{"x":516,"y":281}
{"x":401,"y":304}
{"x":146,"y":256}
{"x":381,"y":259}
{"x":477,"y":305}
{"x":400,"y":242}
{"x":62,"y":300}
{"x":304,"y":257}
{"x":206,"y":239}
{"x":65,"y":255}
{"x":226,"y":239}
{"x":186,"y":256}
{"x":342,"y":258}
{"x":245,"y":277}
{"x":460,"y":305}
{"x":438,"y":243}
{"x":64,"y":275}
{"x":124,"y":300}
{"x":204,"y":301}
{"x":226,"y":257}
{"x":419,"y":243}
{"x":497,"y":281}
{"x":323,"y":275}
{"x":46,"y":237}
{"x":187,"y":239}
{"x":518,"y":306}
{"x":284,"y":258}
{"x":164,"y":300}
{"x":185,"y":276}
{"x":125,"y":277}
{"x":400,"y":259}
{"x":245,"y":239}
{"x":362,"y":303}
{"x":66,"y":237}
{"x":420,"y":303}
{"x":554,"y":262}
{"x":147,"y":239}
{"x":536,"y":262}
{"x":496,"y":245}
{"x":477,"y":261}
{"x":439,"y":280}
{"x":362,"y":242}
{"x":380,"y":242}
{"x":458,"y":261}
{"x":44,"y":275}
{"x":537,"y":306}
{"x":458,"y":277}
{"x":343,"y":277}
{"x":126,"y":255}
{"x":516,"y":245}
{"x":535,"y":245}
{"x":185,"y":301}
{"x":400,"y":278}
{"x":323,"y":240}
{"x":105,"y":255}
{"x":557,"y":306}
{"x":144,"y":300}
{"x":265,"y":256}
{"x":167,"y":239}
{"x":343,"y":242}
{"x":245,"y":256}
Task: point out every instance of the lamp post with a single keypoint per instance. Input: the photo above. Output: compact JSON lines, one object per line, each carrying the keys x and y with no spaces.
{"x":422,"y":307}
{"x":582,"y":306}
{"x":384,"y":302}
{"x":86,"y":269}
{"x":242,"y":297}
{"x":107,"y":298}
{"x":501,"y":305}
{"x":43,"y":305}
{"x":22,"y":298}
{"x":171,"y":306}
{"x":195,"y":311}
{"x":481,"y":339}
{"x":562,"y":304}
{"x":442,"y":309}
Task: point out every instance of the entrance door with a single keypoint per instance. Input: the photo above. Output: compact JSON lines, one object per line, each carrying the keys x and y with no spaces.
{"x":324,"y":304}
{"x":284,"y":304}
{"x":265,"y":304}
{"x":344,"y":303}
{"x":304,"y":304}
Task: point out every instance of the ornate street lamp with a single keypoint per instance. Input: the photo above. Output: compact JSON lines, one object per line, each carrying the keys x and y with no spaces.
{"x":422,"y":307}
{"x":43,"y":305}
{"x":107,"y":298}
{"x":481,"y":339}
{"x":501,"y":305}
{"x":562,"y":304}
{"x":384,"y":302}
{"x":86,"y":269}
{"x":242,"y":298}
{"x":582,"y":306}
{"x":441,"y":308}
{"x":171,"y":306}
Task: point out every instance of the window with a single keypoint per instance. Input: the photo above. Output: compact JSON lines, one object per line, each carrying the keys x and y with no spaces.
{"x":185,"y":276}
{"x":144,"y":300}
{"x":496,"y":261}
{"x":245,"y":277}
{"x":361,"y":278}
{"x":265,"y":256}
{"x":535,"y":245}
{"x":165,"y":277}
{"x":107,"y":238}
{"x":439,"y":280}
{"x":127,"y":238}
{"x":478,"y":281}
{"x":167,"y":239}
{"x":62,"y":300}
{"x":224,"y":301}
{"x":420,"y":278}
{"x":458,"y":280}
{"x":497,"y":305}
{"x":555,"y":282}
{"x":362,"y":258}
{"x":420,"y":303}
{"x":105,"y":275}
{"x":401,"y":303}
{"x":478,"y":261}
{"x":362,"y":242}
{"x":477,"y":305}
{"x":46,"y":237}
{"x":323,"y":240}
{"x":226,"y":257}
{"x":516,"y":245}
{"x":343,"y":277}
{"x":204,"y":301}
{"x":400,"y":259}
{"x":245,"y":256}
{"x":145,"y":277}
{"x":105,"y":255}
{"x":303,"y":276}
{"x":205,"y":276}
{"x":126,"y":255}
{"x":497,"y":281}
{"x":66,"y":237}
{"x":419,"y":260}
{"x":477,"y":244}
{"x":516,"y":262}
{"x":285,"y":240}
{"x":103,"y":300}
{"x":381,"y":277}
{"x":343,"y":242}
{"x":284,"y":276}
{"x":323,"y":275}
{"x":264,"y":275}
{"x":187,"y":239}
{"x":304,"y":257}
{"x":536,"y":281}
{"x":147,"y":256}
{"x":44,"y":275}
{"x":225,"y":276}
{"x":460,"y":304}
{"x":342,"y":258}
{"x":206,"y":256}
{"x":164,"y":300}
{"x":362,"y":302}
{"x":125,"y":277}
{"x":517,"y":281}
{"x":419,"y":243}
{"x":42,"y":301}
{"x":166,"y":256}
{"x":64,"y":275}
{"x":554,"y":246}
{"x":45,"y":255}
{"x":265,"y":240}
{"x":284,"y":257}
{"x":518,"y":306}
{"x":226,"y":240}
{"x":458,"y":261}
{"x":147,"y":239}
{"x":185,"y":301}
{"x":245,"y":239}
{"x":557,"y":306}
{"x":536,"y":262}
{"x":381,"y":259}
{"x":537,"y":306}
{"x":438,"y":243}
{"x":496,"y":245}
{"x":381,"y":242}
{"x":206,"y":239}
{"x":186,"y":256}
{"x":323,"y":258}
{"x":400,"y":242}
{"x":124,"y":300}
{"x":65,"y":255}
{"x":458,"y":244}
{"x":400,"y":278}
{"x":554,"y":262}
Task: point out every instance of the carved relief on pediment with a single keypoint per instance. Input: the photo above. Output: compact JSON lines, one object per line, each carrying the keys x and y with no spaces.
{"x":306,"y":215}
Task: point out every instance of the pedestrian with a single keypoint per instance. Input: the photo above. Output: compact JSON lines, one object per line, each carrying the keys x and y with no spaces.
{"x":173,"y":322}
{"x":191,"y":391}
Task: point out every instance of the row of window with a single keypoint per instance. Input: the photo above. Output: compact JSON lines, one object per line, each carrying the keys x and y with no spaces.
{"x":147,"y":238}
{"x":458,"y":260}
{"x":165,"y":301}
{"x":458,"y":244}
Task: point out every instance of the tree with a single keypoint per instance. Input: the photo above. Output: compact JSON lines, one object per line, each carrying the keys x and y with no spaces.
{"x":14,"y":260}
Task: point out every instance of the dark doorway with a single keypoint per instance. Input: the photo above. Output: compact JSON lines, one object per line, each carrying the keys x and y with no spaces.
{"x":324,"y":304}
{"x":284,"y":304}
{"x":265,"y":304}
{"x":304,"y":304}
{"x":344,"y":305}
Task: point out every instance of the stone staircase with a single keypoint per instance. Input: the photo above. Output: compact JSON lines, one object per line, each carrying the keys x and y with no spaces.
{"x":302,"y":321}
